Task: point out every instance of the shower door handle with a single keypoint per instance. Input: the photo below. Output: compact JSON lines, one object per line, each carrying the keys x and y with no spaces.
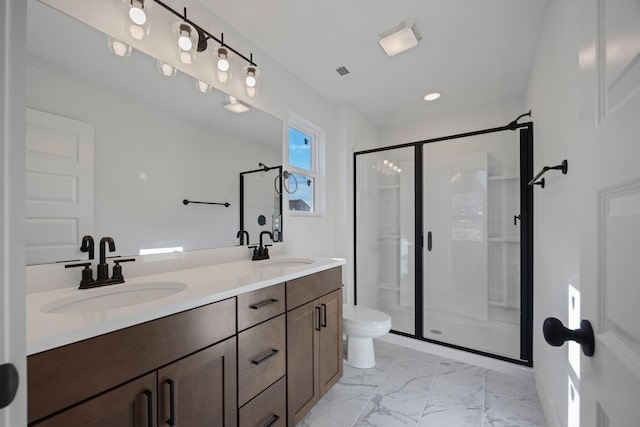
{"x":429,"y":241}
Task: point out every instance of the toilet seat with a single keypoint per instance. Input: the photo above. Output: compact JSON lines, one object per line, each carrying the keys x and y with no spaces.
{"x":364,"y":316}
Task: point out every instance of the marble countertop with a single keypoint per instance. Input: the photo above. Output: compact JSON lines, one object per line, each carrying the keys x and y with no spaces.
{"x":204,"y":285}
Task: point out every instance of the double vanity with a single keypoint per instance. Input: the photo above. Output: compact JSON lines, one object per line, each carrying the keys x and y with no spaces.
{"x":244,"y":343}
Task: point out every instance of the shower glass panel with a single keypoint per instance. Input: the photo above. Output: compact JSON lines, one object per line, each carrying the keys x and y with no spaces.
{"x":385,"y":234}
{"x":471,"y":208}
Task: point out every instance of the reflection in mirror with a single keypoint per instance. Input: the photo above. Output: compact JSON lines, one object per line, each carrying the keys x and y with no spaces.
{"x":114,"y":147}
{"x":261,"y":203}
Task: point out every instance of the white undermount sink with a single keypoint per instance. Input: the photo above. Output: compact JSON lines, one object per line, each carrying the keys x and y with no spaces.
{"x":113,"y":296}
{"x":286,"y":262}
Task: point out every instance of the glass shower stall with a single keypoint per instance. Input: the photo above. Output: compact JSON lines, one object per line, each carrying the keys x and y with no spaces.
{"x":443,"y":232}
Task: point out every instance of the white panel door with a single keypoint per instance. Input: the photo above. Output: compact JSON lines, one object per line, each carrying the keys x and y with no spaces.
{"x":609,"y":168}
{"x":455,"y":206}
{"x":59,"y":186}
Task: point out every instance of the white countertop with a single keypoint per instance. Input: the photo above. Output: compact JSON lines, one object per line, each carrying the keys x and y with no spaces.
{"x":204,"y":285}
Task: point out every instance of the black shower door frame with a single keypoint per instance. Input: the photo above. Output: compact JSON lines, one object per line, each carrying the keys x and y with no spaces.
{"x":526,"y":237}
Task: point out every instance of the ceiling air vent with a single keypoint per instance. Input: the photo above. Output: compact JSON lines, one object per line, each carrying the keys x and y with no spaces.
{"x":342,"y":71}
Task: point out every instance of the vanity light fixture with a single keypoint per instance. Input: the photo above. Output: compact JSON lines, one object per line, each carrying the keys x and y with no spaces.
{"x":432,"y":96}
{"x":118,"y":48}
{"x":400,"y":38}
{"x":224,"y":69}
{"x":166,"y":70}
{"x":203,"y":87}
{"x":138,"y":19}
{"x":191,"y":39}
{"x":251,"y":74}
{"x":234,"y":105}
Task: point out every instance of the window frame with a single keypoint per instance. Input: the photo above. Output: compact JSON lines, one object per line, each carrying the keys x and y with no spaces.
{"x":316,"y":134}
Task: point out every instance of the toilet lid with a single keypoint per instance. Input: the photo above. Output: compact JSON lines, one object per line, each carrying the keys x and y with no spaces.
{"x":363,"y":315}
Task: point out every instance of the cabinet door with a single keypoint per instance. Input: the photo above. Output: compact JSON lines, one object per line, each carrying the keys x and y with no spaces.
{"x":330,"y":356}
{"x":200,"y":389}
{"x":303,"y":325}
{"x":130,"y":405}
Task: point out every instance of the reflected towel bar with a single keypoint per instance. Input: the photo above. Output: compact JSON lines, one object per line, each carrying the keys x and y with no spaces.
{"x":561,"y":167}
{"x":225,"y":204}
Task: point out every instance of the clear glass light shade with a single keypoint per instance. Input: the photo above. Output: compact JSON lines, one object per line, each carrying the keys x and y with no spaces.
{"x":137,"y":13}
{"x":251,"y":77}
{"x":224,"y":68}
{"x":167,"y":70}
{"x":203,"y":87}
{"x":137,"y":18}
{"x":187,"y":41}
{"x":118,"y":48}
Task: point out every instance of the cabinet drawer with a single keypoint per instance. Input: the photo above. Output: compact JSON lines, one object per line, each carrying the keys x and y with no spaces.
{"x":304,"y":289}
{"x":261,"y":357}
{"x":269,"y":408}
{"x":258,"y":306}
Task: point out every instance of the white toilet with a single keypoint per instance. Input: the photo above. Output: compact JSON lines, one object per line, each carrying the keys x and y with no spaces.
{"x":361,"y":325}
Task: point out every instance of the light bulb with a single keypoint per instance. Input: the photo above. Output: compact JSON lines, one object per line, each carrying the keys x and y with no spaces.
{"x":399,"y":170}
{"x":166,"y":69}
{"x":203,"y":87}
{"x":136,"y":13}
{"x":386,"y":162}
{"x":184,"y":41}
{"x":118,"y":48}
{"x":432,"y":96}
{"x":390,"y":164}
{"x":223,"y":62}
{"x":136,"y":32}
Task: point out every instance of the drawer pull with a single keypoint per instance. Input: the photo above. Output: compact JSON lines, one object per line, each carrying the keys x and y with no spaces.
{"x":265,"y":358}
{"x":272,"y":421}
{"x":149,"y":407}
{"x":172,"y":403}
{"x":263,"y":304}
{"x":318,"y":310}
{"x":324,"y":315}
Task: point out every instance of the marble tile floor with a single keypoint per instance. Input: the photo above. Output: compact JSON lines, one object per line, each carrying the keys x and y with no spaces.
{"x":411,"y":388}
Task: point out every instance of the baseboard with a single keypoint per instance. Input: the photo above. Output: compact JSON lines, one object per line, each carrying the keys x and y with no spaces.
{"x":549,"y":409}
{"x":460,"y":355}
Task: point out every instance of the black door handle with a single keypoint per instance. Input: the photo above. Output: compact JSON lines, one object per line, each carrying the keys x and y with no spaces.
{"x":318,"y":312}
{"x":172,"y":403}
{"x":9,"y":380}
{"x":429,"y":241}
{"x":556,"y":334}
{"x":515,"y":220}
{"x":274,"y":419}
{"x":149,"y":396}
{"x":324,"y":315}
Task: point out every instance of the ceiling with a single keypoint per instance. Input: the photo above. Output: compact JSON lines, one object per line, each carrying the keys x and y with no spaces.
{"x":473,"y":52}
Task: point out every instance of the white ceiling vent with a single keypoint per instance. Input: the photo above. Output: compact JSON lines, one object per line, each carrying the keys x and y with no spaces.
{"x":342,"y":70}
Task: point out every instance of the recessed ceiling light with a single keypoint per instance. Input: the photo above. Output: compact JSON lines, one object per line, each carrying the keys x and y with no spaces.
{"x":432,"y":96}
{"x":400,"y":38}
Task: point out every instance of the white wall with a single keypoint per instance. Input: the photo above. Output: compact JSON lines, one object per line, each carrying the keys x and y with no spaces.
{"x":147,"y":161}
{"x":353,"y":132}
{"x":553,"y":96}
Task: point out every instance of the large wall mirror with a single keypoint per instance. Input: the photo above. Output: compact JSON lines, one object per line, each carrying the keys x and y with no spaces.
{"x":114,"y":147}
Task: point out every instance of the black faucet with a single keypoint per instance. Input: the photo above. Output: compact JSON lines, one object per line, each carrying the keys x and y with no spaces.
{"x":241,"y":235}
{"x":103,"y":267}
{"x":261,"y":252}
{"x":87,"y":246}
{"x":268,"y":233}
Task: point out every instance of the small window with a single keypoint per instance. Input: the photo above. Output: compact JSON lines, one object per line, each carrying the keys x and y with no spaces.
{"x":302,"y":183}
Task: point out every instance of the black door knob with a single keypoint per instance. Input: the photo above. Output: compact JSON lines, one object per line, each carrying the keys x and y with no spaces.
{"x":556,"y":334}
{"x":9,"y":380}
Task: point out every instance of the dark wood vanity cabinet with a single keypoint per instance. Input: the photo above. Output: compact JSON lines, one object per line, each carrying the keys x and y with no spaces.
{"x":263,"y":358}
{"x":96,"y":381}
{"x":314,"y":340}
